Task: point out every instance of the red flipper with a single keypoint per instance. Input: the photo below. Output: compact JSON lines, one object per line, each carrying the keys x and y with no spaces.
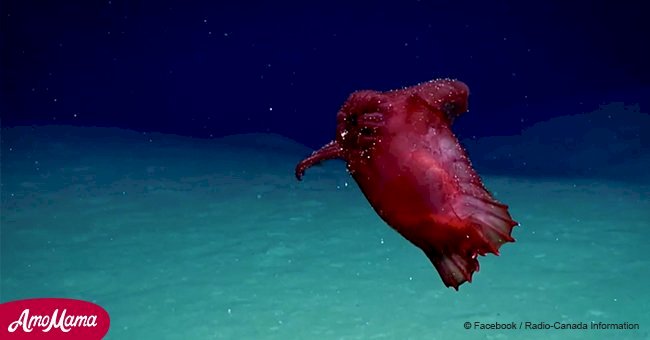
{"x":484,"y":230}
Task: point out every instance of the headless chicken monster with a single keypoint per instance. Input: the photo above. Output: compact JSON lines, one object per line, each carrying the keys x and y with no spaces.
{"x":399,"y":148}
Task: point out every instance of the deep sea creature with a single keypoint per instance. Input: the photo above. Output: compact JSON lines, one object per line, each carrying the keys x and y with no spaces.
{"x":399,"y":147}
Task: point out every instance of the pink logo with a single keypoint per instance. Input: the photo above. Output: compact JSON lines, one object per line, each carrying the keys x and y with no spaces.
{"x":53,"y":318}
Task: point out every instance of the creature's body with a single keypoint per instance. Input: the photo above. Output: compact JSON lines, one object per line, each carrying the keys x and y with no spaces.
{"x":400,"y":149}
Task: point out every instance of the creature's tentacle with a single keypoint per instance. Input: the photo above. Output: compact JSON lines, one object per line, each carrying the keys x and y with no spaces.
{"x":331,"y":150}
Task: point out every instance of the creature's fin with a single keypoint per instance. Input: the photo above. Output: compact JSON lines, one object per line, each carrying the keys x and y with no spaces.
{"x":482,"y":227}
{"x":454,"y":268}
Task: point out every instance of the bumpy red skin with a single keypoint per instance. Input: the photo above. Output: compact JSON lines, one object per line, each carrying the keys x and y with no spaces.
{"x":400,"y":149}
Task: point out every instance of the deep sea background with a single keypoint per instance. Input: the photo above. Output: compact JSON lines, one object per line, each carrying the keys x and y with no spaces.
{"x":148,"y":147}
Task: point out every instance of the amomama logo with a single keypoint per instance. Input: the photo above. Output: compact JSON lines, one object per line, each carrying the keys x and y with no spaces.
{"x":52,"y":318}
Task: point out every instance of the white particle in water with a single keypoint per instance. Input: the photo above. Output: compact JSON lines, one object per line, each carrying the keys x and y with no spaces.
{"x":270,"y":109}
{"x":381,"y":240}
{"x":229,"y":311}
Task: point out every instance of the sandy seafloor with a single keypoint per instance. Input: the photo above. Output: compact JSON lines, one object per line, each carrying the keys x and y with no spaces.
{"x":181,"y":238}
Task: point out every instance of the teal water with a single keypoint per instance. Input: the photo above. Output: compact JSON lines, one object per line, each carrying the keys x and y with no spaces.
{"x":181,"y":238}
